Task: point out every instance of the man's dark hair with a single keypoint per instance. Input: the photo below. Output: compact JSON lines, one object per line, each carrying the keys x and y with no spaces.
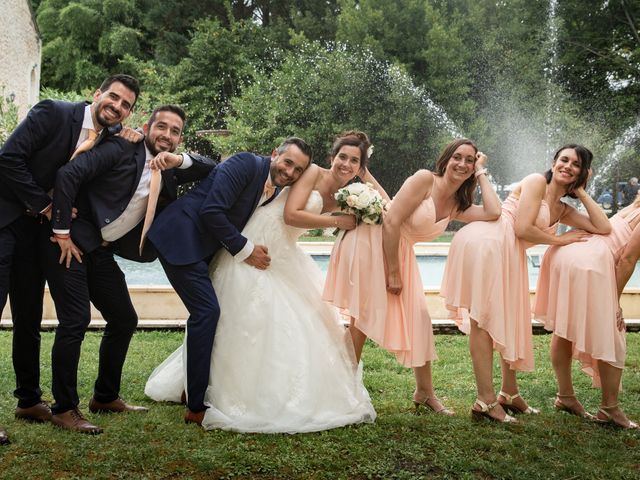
{"x":127,"y":80}
{"x":298,"y":142}
{"x":168,"y":108}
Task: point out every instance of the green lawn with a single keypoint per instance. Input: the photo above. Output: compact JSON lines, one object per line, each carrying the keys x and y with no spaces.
{"x":399,"y":445}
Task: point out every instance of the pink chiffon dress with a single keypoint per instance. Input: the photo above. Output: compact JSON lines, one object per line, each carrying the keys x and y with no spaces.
{"x":486,"y":279}
{"x":356,"y":283}
{"x":577,"y":297}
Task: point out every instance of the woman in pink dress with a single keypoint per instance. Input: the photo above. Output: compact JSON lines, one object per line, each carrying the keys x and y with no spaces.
{"x":486,"y":285}
{"x":390,"y":307}
{"x":577,"y":298}
{"x":349,"y":158}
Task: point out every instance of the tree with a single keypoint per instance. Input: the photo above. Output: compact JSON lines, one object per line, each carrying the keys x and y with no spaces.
{"x":317,"y":93}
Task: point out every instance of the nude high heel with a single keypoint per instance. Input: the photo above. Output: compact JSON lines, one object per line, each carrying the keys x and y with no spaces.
{"x":483,"y":413}
{"x":511,"y":408}
{"x":425,"y":403}
{"x":612,"y":421}
{"x":559,"y":405}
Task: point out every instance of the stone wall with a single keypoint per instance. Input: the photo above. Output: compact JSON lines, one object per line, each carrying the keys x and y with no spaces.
{"x":20,"y":54}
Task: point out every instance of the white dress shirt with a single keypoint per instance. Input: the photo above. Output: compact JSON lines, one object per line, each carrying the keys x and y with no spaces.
{"x":135,"y":211}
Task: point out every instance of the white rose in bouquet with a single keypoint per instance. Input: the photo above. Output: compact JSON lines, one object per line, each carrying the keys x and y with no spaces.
{"x":351,"y":200}
{"x":356,"y":188}
{"x":364,"y":199}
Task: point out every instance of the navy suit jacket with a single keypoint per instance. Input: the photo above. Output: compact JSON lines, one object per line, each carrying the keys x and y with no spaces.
{"x":33,"y":153}
{"x":212,"y":215}
{"x":29,"y":159}
{"x":101,"y":183}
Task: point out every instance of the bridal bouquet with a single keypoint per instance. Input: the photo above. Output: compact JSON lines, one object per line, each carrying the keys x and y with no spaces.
{"x":363,"y":201}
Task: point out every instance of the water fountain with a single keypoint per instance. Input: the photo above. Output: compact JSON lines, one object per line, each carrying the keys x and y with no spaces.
{"x":621,"y":144}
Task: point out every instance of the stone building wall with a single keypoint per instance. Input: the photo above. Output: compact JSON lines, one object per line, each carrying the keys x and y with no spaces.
{"x":20,"y":54}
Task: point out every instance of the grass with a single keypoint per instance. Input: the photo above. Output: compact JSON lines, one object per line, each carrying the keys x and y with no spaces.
{"x":400,"y":445}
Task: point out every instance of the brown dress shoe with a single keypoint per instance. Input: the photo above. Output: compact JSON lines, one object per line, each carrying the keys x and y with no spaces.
{"x":194,"y":417}
{"x":40,"y":412}
{"x":117,"y":406}
{"x":74,"y":420}
{"x":4,"y":438}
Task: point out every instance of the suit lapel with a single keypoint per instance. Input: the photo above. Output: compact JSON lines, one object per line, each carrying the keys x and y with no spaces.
{"x":169,"y":184}
{"x":140,"y":159}
{"x":76,"y":125}
{"x":263,"y":171}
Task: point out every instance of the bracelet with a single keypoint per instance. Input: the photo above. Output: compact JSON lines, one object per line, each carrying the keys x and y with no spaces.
{"x":482,"y":171}
{"x":62,"y":236}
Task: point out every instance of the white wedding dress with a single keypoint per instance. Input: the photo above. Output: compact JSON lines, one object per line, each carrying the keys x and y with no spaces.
{"x":282,"y":361}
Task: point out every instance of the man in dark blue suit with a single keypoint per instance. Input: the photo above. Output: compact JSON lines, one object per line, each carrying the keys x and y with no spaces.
{"x":210,"y":217}
{"x":110,"y":186}
{"x":29,"y":160}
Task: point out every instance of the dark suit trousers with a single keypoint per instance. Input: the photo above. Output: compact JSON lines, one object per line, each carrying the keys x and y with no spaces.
{"x":193,"y":286}
{"x":22,"y":279}
{"x":98,"y":279}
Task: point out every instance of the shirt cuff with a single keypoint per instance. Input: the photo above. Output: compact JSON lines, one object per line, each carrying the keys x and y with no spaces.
{"x":243,"y":254}
{"x":61,"y":232}
{"x":187,"y":161}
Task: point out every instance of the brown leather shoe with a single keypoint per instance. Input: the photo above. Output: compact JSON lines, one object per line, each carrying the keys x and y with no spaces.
{"x":117,"y":406}
{"x":193,"y":417}
{"x":4,"y":438}
{"x":74,"y":420}
{"x":40,"y":412}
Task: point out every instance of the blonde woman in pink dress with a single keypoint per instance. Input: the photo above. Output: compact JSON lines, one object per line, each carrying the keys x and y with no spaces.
{"x":577,"y":298}
{"x":486,"y":285}
{"x":390,"y":307}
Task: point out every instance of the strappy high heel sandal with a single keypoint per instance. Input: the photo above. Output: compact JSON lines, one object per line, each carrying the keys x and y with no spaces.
{"x":483,"y":413}
{"x":612,"y":421}
{"x":511,"y":408}
{"x":559,"y":405}
{"x":425,"y":403}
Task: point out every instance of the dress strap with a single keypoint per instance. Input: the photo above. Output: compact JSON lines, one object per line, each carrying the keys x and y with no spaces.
{"x":562,"y":213}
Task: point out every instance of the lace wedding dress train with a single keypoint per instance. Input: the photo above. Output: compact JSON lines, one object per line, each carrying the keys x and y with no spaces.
{"x":281,"y":362}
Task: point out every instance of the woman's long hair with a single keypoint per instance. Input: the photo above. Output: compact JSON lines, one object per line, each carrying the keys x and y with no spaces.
{"x":464,"y":194}
{"x":585,"y":156}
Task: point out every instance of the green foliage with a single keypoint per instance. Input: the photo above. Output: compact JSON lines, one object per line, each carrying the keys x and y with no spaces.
{"x":317,"y":93}
{"x":8,"y":117}
{"x":494,"y":67}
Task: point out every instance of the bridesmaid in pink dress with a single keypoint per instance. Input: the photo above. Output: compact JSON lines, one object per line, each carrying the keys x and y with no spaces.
{"x":577,"y":298}
{"x":390,"y":307}
{"x":485,"y":283}
{"x":349,"y":158}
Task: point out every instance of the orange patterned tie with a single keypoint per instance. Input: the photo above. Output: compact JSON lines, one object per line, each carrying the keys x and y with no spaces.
{"x":269,"y":189}
{"x":87,"y":144}
{"x":152,"y":203}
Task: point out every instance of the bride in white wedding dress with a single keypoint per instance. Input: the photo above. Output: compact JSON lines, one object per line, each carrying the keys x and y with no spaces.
{"x":282,"y":361}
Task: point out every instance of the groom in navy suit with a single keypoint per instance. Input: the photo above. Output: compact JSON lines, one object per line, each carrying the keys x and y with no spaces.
{"x":29,"y":160}
{"x":192,"y":229}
